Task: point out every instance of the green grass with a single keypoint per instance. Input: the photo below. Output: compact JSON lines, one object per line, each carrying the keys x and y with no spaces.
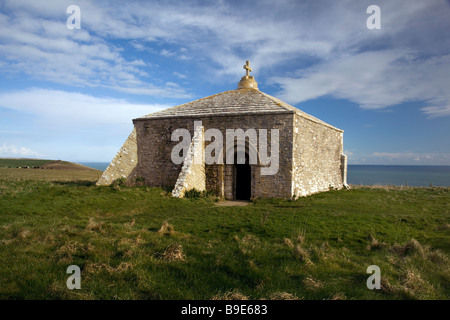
{"x":317,"y":247}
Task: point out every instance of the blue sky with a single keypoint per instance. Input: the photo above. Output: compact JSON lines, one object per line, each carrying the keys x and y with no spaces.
{"x":72,"y":94}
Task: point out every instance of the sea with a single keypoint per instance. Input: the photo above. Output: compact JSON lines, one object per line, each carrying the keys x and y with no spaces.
{"x":414,"y":176}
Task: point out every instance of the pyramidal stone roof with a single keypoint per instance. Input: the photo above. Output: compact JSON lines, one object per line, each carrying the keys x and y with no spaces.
{"x":246,"y":100}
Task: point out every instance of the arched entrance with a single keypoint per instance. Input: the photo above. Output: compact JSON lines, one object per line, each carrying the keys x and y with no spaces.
{"x":243,"y":180}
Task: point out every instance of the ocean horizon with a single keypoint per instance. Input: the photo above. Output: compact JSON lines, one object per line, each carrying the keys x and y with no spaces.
{"x":358,"y":174}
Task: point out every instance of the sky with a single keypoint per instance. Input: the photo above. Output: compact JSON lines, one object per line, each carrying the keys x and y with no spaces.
{"x":71,"y":94}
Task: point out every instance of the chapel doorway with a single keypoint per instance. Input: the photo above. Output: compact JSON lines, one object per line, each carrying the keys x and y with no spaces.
{"x":243,"y":180}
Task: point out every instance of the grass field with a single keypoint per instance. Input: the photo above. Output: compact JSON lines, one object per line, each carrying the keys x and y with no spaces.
{"x":50,"y":175}
{"x":139,"y":243}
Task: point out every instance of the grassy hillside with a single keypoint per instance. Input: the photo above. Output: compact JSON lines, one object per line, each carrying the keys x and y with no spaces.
{"x":50,"y":170}
{"x":139,"y":243}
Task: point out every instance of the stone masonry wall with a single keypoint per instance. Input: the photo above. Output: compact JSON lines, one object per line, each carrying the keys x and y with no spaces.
{"x":154,"y":150}
{"x":155,"y":147}
{"x":215,"y":179}
{"x":317,"y":157}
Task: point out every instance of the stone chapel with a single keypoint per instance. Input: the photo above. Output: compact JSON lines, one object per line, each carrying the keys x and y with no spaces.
{"x":284,"y":152}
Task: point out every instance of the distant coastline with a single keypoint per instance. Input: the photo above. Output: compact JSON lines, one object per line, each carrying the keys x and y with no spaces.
{"x":358,"y":174}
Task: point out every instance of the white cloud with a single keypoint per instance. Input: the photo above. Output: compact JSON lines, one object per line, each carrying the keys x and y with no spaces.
{"x":36,"y":42}
{"x":138,"y":46}
{"x":375,"y":80}
{"x":180,"y":75}
{"x":167,"y":53}
{"x":9,"y":150}
{"x":438,"y":111}
{"x":74,"y":110}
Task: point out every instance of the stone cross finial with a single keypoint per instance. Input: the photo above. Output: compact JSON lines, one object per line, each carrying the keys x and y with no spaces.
{"x":247,"y":68}
{"x":247,"y":81}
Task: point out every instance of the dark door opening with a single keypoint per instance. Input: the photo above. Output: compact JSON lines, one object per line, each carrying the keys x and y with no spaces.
{"x":243,"y":181}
